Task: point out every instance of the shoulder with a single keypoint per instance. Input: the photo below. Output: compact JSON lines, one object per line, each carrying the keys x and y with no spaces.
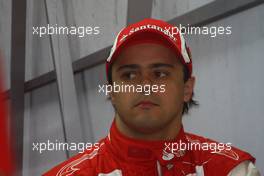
{"x":217,"y":156}
{"x":85,"y":161}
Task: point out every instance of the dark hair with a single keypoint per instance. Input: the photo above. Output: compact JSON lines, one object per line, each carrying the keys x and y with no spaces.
{"x":186,"y":105}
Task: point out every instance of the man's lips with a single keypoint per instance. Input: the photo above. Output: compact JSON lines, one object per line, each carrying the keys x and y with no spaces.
{"x":146,"y":104}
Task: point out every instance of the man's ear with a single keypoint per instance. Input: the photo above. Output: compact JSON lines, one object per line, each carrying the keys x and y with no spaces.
{"x":188,"y":89}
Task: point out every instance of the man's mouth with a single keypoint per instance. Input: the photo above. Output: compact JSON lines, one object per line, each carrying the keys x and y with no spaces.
{"x":146,"y":104}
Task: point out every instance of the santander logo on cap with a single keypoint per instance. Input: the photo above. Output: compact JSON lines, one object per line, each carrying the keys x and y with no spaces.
{"x":152,"y":29}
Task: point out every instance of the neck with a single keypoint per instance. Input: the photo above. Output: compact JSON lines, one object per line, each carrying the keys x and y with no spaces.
{"x":168,"y":132}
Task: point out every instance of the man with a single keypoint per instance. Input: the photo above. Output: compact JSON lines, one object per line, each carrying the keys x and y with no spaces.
{"x":147,"y":136}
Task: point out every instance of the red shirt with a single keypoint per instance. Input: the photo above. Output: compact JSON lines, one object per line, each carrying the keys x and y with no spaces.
{"x":119,"y":155}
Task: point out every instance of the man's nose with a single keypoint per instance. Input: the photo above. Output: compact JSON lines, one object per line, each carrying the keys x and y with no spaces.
{"x":146,"y":79}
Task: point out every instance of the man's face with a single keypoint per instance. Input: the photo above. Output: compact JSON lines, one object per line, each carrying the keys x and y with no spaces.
{"x":149,"y":64}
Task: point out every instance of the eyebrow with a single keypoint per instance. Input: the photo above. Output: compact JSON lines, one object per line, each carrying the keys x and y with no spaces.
{"x":129,"y":66}
{"x":136,"y":66}
{"x":157,"y":65}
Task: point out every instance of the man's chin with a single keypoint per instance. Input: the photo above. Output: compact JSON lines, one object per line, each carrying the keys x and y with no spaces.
{"x":147,"y":113}
{"x":146,"y":124}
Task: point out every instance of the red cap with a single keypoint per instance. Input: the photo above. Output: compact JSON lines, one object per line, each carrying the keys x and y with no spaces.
{"x":151,"y":30}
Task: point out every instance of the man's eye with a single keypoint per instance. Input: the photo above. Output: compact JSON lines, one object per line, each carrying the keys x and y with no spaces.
{"x":160,"y":74}
{"x":129,"y":75}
